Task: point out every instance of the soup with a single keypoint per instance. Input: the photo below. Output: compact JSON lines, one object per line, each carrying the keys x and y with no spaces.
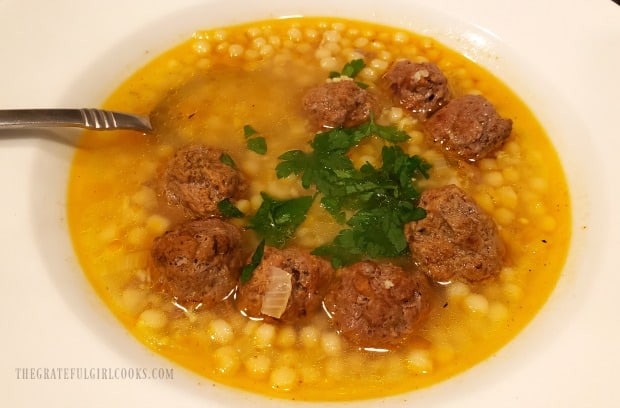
{"x":242,"y":92}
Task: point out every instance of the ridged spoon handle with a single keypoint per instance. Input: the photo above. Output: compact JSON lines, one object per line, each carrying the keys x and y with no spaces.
{"x":96,"y":119}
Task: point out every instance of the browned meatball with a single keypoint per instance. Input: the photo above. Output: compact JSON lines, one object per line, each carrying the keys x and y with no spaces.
{"x":308,"y":277}
{"x":341,"y":103}
{"x":198,"y":261}
{"x":197,"y":180}
{"x":419,"y":87}
{"x":378,"y":305}
{"x":470,"y":127}
{"x":456,"y":240}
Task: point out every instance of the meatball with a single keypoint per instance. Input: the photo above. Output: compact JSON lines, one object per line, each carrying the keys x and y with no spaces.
{"x":198,"y":261}
{"x":197,"y":180}
{"x":420,"y":88}
{"x":308,"y":279}
{"x":335,"y":104}
{"x":378,"y":305}
{"x":456,"y":239}
{"x":470,"y":127}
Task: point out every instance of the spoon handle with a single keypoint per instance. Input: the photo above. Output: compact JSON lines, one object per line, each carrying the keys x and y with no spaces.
{"x":96,"y":119}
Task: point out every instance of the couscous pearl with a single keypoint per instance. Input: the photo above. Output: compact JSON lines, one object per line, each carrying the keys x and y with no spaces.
{"x":138,"y":237}
{"x":329,"y":64}
{"x":309,"y":336}
{"x":283,"y":378}
{"x":511,"y":175}
{"x":220,"y":331}
{"x":339,"y":26}
{"x":457,"y":290}
{"x":503,"y":216}
{"x":266,"y":50}
{"x":508,"y":274}
{"x":493,"y":178}
{"x":258,"y":366}
{"x":152,"y":319}
{"x":201,"y":47}
{"x":361,"y":42}
{"x":419,"y":361}
{"x":322,"y":52}
{"x":235,"y":50}
{"x":274,"y":40}
{"x":287,"y":336}
{"x":311,"y":375}
{"x":133,"y":299}
{"x":220,"y":35}
{"x":477,"y":303}
{"x":368,"y":74}
{"x":108,"y":234}
{"x":331,"y":36}
{"x":264,"y":335}
{"x":378,"y":64}
{"x":157,"y":224}
{"x":254,"y":32}
{"x":226,"y":360}
{"x":401,"y":38}
{"x":250,"y":327}
{"x":311,"y":34}
{"x":331,"y":343}
{"x":294,"y":34}
{"x":498,"y":312}
{"x":508,"y":197}
{"x":485,"y":201}
{"x":487,"y":164}
{"x":513,"y":291}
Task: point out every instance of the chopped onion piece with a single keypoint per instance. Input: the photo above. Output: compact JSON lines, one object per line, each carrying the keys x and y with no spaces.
{"x":277,"y":293}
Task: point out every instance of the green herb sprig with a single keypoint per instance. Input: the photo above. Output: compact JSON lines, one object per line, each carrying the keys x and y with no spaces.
{"x":351,"y":69}
{"x":257,"y":257}
{"x":382,"y":200}
{"x":277,"y":220}
{"x":257,"y":144}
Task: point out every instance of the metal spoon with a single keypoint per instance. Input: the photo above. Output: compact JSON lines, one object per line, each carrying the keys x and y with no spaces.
{"x":96,"y":119}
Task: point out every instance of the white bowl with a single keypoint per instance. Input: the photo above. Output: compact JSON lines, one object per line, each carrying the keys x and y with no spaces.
{"x":562,"y":61}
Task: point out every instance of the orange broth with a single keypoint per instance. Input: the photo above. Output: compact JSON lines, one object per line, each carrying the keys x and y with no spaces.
{"x":204,"y":91}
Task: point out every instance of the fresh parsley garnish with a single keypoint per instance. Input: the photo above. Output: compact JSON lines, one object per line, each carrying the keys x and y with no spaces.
{"x":248,"y":131}
{"x":329,"y":169}
{"x":350,"y":69}
{"x":226,"y":159}
{"x":257,"y":144}
{"x":229,"y":210}
{"x":277,"y":220}
{"x":257,"y":257}
{"x":381,"y":200}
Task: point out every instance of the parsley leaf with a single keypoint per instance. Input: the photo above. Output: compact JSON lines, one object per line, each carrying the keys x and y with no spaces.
{"x":353,"y":67}
{"x":257,"y":145}
{"x":249,"y":131}
{"x":350,"y":69}
{"x":257,"y":257}
{"x":226,"y":159}
{"x":277,"y":220}
{"x":229,"y":210}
